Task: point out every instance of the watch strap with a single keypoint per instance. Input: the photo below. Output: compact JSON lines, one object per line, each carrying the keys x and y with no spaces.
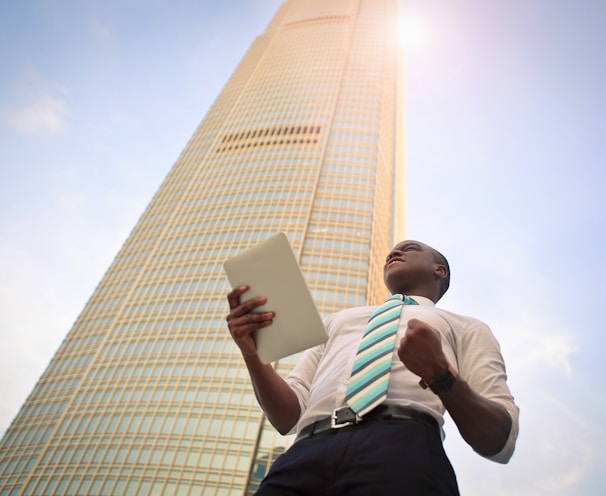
{"x":450,"y":372}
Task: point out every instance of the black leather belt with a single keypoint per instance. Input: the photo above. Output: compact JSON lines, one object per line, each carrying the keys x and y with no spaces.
{"x":345,"y":416}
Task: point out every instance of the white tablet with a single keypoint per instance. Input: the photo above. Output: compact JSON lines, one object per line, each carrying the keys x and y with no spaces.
{"x":270,"y":269}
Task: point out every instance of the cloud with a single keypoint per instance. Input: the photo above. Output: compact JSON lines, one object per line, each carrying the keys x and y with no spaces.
{"x":101,"y":32}
{"x":556,"y":454}
{"x":40,"y":107}
{"x":558,"y":440}
{"x":506,"y":285}
{"x":535,"y":342}
{"x":42,"y":114}
{"x":553,"y":351}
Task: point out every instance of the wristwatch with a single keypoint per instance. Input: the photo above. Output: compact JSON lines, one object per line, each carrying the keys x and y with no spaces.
{"x":442,"y":382}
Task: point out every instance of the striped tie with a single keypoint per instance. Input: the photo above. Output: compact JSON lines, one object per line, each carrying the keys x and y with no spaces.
{"x":369,"y":380}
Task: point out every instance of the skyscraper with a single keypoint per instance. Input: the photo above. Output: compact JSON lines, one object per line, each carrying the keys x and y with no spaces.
{"x":147,"y":394}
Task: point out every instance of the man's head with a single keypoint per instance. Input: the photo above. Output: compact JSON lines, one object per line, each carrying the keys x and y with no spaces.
{"x":415,"y":268}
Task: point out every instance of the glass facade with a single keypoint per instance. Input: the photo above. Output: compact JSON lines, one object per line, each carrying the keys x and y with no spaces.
{"x":148,"y":394}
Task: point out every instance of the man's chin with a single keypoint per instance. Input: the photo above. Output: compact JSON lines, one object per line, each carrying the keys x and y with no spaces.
{"x":393,"y":283}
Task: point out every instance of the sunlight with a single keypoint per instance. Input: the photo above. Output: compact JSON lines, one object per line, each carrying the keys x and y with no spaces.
{"x":412,"y":31}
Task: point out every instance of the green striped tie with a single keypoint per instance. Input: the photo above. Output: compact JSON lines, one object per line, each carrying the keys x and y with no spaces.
{"x":369,"y":380}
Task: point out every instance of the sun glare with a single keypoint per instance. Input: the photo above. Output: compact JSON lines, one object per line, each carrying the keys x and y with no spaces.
{"x":412,"y":32}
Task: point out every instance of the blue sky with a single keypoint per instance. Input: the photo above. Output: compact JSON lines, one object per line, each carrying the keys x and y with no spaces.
{"x":506,"y":139}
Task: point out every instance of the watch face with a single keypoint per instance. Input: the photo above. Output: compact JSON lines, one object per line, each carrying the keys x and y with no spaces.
{"x":442,"y":382}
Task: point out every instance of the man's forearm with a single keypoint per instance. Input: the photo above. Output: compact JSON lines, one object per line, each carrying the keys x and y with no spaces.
{"x":484,"y":424}
{"x":278,"y":401}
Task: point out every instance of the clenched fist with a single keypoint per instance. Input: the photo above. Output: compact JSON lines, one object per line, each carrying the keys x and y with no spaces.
{"x":421,"y":350}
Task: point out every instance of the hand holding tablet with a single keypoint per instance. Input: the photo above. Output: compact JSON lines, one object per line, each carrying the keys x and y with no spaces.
{"x":270,"y":269}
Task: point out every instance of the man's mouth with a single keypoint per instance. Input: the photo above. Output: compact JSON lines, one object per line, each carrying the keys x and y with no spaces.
{"x":395,"y":261}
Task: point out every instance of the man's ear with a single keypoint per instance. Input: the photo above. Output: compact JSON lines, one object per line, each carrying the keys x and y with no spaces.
{"x":441,"y":272}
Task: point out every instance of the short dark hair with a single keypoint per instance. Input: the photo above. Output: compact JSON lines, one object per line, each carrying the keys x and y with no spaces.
{"x":445,"y":282}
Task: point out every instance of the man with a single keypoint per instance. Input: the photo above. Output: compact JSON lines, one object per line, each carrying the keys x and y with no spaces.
{"x":396,"y":448}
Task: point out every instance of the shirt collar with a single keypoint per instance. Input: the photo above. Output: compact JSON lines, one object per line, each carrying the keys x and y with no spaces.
{"x":421,"y":300}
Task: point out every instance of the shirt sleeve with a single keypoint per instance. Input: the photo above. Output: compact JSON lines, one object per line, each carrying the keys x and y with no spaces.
{"x":481,"y":364}
{"x":302,"y":375}
{"x":300,"y":378}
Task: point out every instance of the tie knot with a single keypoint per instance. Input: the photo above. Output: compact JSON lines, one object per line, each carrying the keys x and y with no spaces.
{"x":406,"y":300}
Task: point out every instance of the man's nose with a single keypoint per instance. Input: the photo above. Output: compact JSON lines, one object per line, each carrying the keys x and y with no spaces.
{"x":394,"y":254}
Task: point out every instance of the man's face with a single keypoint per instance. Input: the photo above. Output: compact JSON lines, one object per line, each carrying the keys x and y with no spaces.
{"x":409,"y":265}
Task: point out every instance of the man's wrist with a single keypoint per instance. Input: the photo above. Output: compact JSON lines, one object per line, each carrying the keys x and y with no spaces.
{"x":442,"y":382}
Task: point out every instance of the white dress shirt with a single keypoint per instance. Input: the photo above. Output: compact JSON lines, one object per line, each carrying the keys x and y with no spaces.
{"x":320,"y":377}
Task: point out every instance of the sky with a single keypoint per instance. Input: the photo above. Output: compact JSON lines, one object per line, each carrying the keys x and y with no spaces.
{"x":505,"y":144}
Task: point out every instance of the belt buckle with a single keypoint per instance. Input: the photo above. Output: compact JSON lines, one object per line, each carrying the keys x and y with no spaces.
{"x":343,"y":417}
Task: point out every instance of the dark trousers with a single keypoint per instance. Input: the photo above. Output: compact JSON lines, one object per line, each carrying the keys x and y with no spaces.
{"x":377,"y":458}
